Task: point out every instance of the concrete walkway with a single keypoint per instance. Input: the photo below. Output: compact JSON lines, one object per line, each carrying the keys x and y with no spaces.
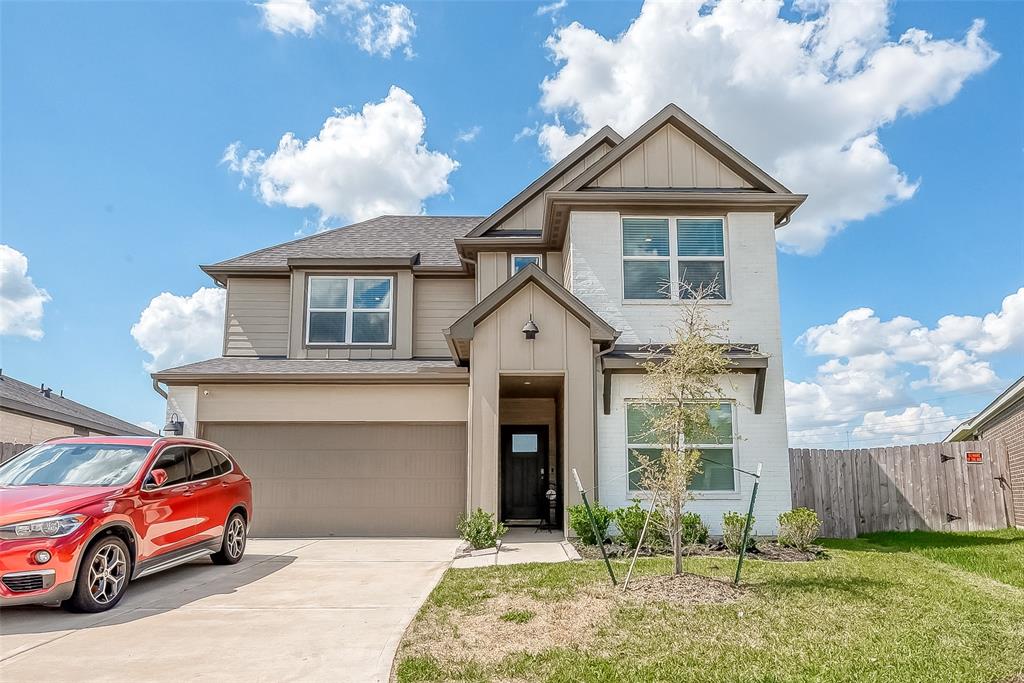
{"x":519,"y":546}
{"x":292,"y":610}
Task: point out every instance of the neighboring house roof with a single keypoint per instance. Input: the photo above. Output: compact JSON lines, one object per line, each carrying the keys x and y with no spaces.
{"x":1009,"y":399}
{"x":298,"y":370}
{"x":19,"y":397}
{"x":427,"y":241}
{"x":461,"y":331}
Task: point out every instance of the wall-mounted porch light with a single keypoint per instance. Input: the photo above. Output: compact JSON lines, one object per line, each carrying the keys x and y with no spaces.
{"x":175,"y":427}
{"x":530,"y":329}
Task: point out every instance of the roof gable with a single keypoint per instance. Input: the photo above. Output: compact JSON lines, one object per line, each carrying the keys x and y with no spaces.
{"x":525,"y":210}
{"x":674,"y":150}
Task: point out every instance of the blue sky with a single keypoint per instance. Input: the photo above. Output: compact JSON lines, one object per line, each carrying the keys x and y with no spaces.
{"x":116,"y":117}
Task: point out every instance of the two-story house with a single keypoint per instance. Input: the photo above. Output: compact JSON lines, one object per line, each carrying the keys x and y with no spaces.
{"x":385,"y":377}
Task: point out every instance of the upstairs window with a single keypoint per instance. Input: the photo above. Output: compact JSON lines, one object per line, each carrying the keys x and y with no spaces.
{"x":520,"y":261}
{"x":671,"y":258}
{"x":353,"y":310}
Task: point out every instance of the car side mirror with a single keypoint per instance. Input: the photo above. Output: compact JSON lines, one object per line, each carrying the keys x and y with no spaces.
{"x":156,"y":479}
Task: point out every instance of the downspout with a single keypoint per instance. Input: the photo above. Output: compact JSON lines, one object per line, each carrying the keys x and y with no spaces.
{"x":158,"y":389}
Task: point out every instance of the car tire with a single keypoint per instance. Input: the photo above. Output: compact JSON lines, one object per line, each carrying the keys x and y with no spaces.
{"x":232,"y":547}
{"x":103,"y":576}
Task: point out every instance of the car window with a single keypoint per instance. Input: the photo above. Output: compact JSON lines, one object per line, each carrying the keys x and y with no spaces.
{"x":221,"y":465}
{"x":202,"y":464}
{"x":174,"y":461}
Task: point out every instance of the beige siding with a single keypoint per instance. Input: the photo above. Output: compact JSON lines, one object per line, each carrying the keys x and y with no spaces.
{"x":382,"y":479}
{"x":437,"y":304}
{"x":531,"y":215}
{"x":668,"y":158}
{"x":256,"y":317}
{"x":402,"y":333}
{"x":18,"y":428}
{"x":553,"y":264}
{"x":491,"y":272}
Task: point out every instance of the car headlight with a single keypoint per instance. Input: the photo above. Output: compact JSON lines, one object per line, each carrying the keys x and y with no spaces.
{"x":46,"y":527}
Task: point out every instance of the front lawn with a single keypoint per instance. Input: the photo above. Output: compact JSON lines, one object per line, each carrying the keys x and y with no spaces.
{"x":891,"y":607}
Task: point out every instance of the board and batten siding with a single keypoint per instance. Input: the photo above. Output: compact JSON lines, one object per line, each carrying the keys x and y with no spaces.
{"x":670,"y":159}
{"x":436,"y":305}
{"x":256,"y":317}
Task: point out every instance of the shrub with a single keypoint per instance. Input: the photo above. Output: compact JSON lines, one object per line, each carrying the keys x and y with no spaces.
{"x":694,"y":529}
{"x":580,"y":523}
{"x":798,"y":528}
{"x":480,"y":529}
{"x":732,"y":531}
{"x":630,"y":521}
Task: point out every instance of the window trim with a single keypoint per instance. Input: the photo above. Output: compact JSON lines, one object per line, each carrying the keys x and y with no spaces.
{"x":188,"y":466}
{"x":674,"y":258}
{"x":734,"y":492}
{"x":512,"y":261}
{"x":349,"y":311}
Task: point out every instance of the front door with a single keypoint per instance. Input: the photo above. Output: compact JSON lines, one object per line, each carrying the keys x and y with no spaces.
{"x":524,"y":463}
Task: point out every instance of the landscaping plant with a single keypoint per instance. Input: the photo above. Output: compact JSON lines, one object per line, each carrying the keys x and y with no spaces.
{"x":695,"y":531}
{"x":480,"y":529}
{"x":681,"y":383}
{"x":732,"y":531}
{"x":579,"y":522}
{"x":630,"y":521}
{"x":798,"y":528}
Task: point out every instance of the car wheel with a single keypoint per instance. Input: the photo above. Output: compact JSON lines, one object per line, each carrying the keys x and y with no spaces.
{"x":102,"y":577}
{"x":233,"y":546}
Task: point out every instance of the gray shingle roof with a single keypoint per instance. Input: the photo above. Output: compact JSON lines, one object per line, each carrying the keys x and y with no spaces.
{"x":308,"y":368}
{"x":25,"y":398}
{"x":432,"y":237}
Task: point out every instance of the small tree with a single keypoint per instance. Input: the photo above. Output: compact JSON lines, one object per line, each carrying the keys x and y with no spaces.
{"x":681,"y":381}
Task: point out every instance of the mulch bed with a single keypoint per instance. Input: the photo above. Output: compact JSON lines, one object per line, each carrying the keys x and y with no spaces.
{"x":689,"y":589}
{"x":764,"y":550}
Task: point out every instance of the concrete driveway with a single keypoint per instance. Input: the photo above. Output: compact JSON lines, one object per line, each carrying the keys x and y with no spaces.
{"x":310,"y":610}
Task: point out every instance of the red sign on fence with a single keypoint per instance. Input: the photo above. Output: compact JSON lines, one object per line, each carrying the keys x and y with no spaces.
{"x":974,"y":457}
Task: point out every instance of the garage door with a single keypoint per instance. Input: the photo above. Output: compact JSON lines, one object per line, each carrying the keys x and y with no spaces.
{"x":363,"y":479}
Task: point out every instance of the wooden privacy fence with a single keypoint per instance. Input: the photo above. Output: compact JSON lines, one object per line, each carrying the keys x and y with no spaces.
{"x":9,"y":450}
{"x":937,"y":486}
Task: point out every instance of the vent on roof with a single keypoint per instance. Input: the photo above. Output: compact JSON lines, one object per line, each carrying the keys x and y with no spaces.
{"x":45,"y":391}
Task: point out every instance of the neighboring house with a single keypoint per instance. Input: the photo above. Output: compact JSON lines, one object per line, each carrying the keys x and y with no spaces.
{"x":379,"y":378}
{"x":30,"y":414}
{"x":1003,"y":419}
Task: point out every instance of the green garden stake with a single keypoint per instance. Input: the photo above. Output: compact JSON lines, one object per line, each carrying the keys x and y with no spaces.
{"x":746,"y":527}
{"x":593,"y":525}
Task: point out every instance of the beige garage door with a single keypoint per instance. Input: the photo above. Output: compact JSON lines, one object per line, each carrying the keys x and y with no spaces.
{"x":362,"y":479}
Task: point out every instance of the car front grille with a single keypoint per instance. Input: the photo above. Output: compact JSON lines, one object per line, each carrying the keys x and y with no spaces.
{"x":23,"y":583}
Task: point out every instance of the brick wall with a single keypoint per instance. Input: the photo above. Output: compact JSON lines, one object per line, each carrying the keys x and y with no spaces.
{"x":1011,"y":430}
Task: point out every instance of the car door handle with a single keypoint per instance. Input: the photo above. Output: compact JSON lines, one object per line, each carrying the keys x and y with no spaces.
{"x":187,"y":492}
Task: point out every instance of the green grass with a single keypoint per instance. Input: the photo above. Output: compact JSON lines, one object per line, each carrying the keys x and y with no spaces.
{"x":889,"y":607}
{"x":517,"y":616}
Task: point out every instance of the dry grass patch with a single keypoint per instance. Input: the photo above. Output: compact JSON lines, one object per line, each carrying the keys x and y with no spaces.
{"x":685,"y":589}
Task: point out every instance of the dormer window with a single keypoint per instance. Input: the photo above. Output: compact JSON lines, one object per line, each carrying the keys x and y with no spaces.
{"x":669,"y":258}
{"x":520,"y":261}
{"x":349,"y":310}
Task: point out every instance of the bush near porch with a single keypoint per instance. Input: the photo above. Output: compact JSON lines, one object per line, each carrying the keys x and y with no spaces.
{"x":892,"y":607}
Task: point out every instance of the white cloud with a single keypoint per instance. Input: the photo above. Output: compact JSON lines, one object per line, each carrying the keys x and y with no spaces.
{"x":803,"y":99}
{"x":552,"y":8}
{"x":378,"y":29}
{"x":872,"y":363}
{"x":21,"y":301}
{"x":290,"y":16}
{"x":917,"y":424}
{"x":362,"y":163}
{"x":468,"y":135}
{"x":151,"y":426}
{"x":175,"y":330}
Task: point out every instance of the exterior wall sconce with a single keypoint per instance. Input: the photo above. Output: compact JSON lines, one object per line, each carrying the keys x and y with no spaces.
{"x":175,"y":426}
{"x":530,"y":329}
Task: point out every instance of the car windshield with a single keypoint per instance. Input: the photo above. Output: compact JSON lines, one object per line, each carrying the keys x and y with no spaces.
{"x":74,"y":464}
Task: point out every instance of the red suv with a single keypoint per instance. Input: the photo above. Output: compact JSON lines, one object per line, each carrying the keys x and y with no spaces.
{"x":81,"y":517}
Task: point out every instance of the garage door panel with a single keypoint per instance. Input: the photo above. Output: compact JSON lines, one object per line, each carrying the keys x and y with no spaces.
{"x":355,"y":479}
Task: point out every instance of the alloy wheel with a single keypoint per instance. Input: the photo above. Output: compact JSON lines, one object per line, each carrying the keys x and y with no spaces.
{"x":236,"y":538}
{"x":107,"y":573}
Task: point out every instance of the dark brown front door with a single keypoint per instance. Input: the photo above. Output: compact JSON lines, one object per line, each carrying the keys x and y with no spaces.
{"x":524,"y":462}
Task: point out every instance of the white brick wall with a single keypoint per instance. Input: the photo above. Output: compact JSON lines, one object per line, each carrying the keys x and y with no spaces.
{"x":595,"y":261}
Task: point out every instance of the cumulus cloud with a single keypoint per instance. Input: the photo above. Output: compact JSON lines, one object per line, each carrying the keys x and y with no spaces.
{"x":297,"y":17}
{"x":804,"y":99}
{"x":361,"y":164}
{"x":916,"y":424}
{"x":378,"y":29}
{"x":876,"y":364}
{"x":21,"y":301}
{"x":175,"y":330}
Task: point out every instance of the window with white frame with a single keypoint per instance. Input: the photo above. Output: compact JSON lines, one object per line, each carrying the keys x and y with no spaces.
{"x":717,"y":455}
{"x":520,"y":261}
{"x":344,"y":310}
{"x":671,"y":258}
